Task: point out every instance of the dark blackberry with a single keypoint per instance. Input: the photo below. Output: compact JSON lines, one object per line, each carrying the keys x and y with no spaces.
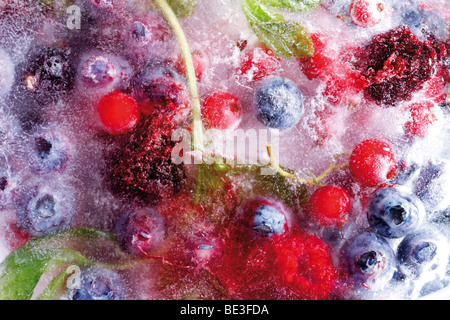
{"x":396,"y":64}
{"x":141,"y":170}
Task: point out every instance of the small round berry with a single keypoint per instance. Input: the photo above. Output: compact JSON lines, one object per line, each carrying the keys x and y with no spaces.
{"x":46,"y":206}
{"x":141,"y":230}
{"x":394,"y":211}
{"x":49,"y":151}
{"x":259,"y":63}
{"x":99,"y":70}
{"x":367,"y":13}
{"x":369,"y":261}
{"x":118,"y":112}
{"x":330,"y":205}
{"x":265,"y":217}
{"x":373,"y":162}
{"x":221,"y":110}
{"x":201,"y":63}
{"x":423,"y":253}
{"x":279,"y":103}
{"x":97,"y":284}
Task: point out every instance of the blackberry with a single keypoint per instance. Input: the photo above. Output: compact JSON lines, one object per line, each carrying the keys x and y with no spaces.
{"x":141,"y":170}
{"x":396,"y":64}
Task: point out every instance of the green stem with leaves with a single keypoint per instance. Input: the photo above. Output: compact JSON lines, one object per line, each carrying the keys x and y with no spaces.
{"x":172,"y":20}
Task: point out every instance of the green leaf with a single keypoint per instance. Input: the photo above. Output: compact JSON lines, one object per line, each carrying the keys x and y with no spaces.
{"x":291,"y":5}
{"x":182,"y":8}
{"x":287,"y":39}
{"x":22,"y":269}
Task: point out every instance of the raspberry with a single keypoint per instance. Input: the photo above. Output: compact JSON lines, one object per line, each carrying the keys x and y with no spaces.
{"x":367,"y":13}
{"x":118,"y":112}
{"x":396,"y":64}
{"x":330,"y":205}
{"x":423,"y":115}
{"x":258,"y":63}
{"x":141,"y":169}
{"x":373,"y":162}
{"x":304,"y":264}
{"x":324,"y":56}
{"x":221,"y":110}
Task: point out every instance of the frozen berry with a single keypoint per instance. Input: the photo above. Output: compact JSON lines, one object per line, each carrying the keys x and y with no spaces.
{"x":325,"y":54}
{"x":394,"y":211}
{"x":423,"y":115}
{"x":330,"y":205}
{"x":304,"y":265}
{"x":97,"y":284}
{"x":48,"y":73}
{"x":200,"y":60}
{"x":221,"y":110}
{"x":423,"y":253}
{"x":118,"y":112}
{"x":46,"y":206}
{"x":367,"y":13}
{"x":259,"y":63}
{"x":160,"y":88}
{"x":373,"y":162}
{"x":141,"y":230}
{"x":396,"y":64}
{"x":369,"y":261}
{"x":99,"y":70}
{"x":279,"y":103}
{"x":49,"y":151}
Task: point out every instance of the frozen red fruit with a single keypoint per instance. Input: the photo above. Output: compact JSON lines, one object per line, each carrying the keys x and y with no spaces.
{"x":200,"y":60}
{"x":258,"y":63}
{"x":422,"y":116}
{"x":373,"y":162}
{"x":221,"y":110}
{"x":304,"y":265}
{"x":330,"y":205}
{"x":367,"y":13}
{"x":118,"y":112}
{"x":395,"y":64}
{"x":319,"y":65}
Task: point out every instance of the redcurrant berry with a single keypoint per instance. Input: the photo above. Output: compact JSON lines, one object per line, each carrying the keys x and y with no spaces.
{"x":118,"y":112}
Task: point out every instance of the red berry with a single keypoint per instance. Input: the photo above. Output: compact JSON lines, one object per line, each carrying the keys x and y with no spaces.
{"x":304,"y":264}
{"x":200,"y":60}
{"x":118,"y":112}
{"x":367,"y":13}
{"x":423,"y":115}
{"x":221,"y":110}
{"x":330,"y":205}
{"x":320,"y":64}
{"x":373,"y":162}
{"x":259,"y":63}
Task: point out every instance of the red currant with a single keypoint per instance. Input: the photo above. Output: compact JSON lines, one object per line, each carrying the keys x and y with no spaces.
{"x":367,"y":13}
{"x":259,"y":63}
{"x":373,"y":162}
{"x":330,"y":205}
{"x":221,"y":110}
{"x":118,"y":112}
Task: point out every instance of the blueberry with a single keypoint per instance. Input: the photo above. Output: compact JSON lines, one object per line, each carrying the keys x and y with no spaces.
{"x":161,"y":88}
{"x":46,"y":206}
{"x":268,"y":221}
{"x":97,"y":284}
{"x":422,"y":253}
{"x":279,"y":103}
{"x":141,"y":230}
{"x":98,"y":70}
{"x":47,"y":74}
{"x":394,"y":211}
{"x":48,"y":151}
{"x":369,"y":260}
{"x":430,"y":185}
{"x":423,"y":22}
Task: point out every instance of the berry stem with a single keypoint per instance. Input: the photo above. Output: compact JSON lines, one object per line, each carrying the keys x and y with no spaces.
{"x":315,"y":180}
{"x":172,"y":20}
